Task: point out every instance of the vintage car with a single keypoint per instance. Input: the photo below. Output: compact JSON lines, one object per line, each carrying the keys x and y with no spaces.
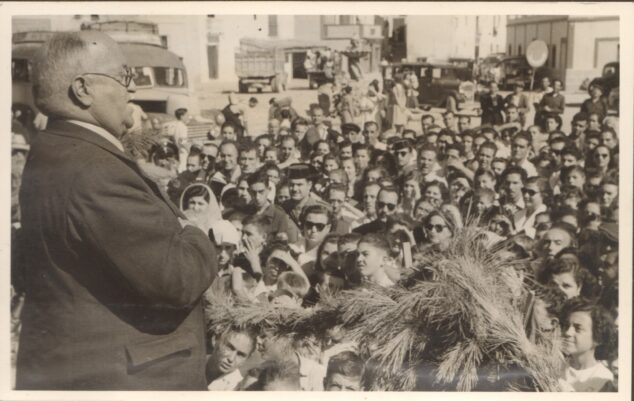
{"x":609,"y":80}
{"x":439,"y":83}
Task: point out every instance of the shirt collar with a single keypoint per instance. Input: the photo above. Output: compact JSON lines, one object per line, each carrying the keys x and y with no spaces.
{"x":99,"y":131}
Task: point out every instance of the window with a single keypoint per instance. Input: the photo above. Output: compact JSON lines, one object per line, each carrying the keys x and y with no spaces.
{"x":169,"y":76}
{"x":436,"y":73}
{"x":142,"y":76}
{"x":20,"y":70}
{"x":273,"y":25}
{"x":553,"y":57}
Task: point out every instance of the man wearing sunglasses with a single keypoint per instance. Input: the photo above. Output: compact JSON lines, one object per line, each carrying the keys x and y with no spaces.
{"x":106,"y":246}
{"x":386,"y":203}
{"x":316,"y":222}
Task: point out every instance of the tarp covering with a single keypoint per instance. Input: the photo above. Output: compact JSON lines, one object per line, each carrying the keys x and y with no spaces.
{"x":284,"y":44}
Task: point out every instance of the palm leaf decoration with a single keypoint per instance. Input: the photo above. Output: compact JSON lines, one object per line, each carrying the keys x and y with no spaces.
{"x":454,"y":324}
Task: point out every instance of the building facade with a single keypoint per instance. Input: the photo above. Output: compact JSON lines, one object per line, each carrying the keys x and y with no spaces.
{"x":440,"y":37}
{"x":579,"y":46}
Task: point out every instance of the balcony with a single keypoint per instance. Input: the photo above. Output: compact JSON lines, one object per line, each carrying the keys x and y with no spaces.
{"x":347,"y":31}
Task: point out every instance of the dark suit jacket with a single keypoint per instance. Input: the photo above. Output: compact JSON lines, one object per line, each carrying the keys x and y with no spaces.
{"x":113,"y":283}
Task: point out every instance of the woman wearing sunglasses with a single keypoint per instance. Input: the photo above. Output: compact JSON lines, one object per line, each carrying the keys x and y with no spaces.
{"x":536,"y":195}
{"x":438,"y":229}
{"x":602,"y":159}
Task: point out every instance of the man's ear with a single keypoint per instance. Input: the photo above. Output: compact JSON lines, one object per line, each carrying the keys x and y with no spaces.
{"x":82,"y":91}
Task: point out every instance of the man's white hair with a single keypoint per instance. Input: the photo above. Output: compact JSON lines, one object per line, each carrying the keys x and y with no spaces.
{"x":58,"y":62}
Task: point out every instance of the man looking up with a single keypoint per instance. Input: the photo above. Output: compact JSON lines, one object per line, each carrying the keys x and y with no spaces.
{"x":105,"y":299}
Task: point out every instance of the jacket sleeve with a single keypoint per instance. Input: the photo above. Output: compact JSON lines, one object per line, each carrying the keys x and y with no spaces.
{"x":114,"y":215}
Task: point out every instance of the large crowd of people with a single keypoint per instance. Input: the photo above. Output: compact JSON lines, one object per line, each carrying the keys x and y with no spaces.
{"x":349,"y":196}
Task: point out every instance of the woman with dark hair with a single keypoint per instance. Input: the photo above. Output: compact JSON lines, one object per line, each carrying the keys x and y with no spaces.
{"x":438,"y":228}
{"x":410,"y":193}
{"x":435,"y":192}
{"x":200,"y":206}
{"x":386,"y":160}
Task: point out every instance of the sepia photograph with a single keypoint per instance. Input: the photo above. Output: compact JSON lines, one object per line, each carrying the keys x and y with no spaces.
{"x":277,"y":200}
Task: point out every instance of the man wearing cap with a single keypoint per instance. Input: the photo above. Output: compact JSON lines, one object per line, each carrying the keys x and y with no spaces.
{"x":300,"y":183}
{"x":278,"y":223}
{"x":352,"y":132}
{"x":114,"y":272}
{"x":404,"y":154}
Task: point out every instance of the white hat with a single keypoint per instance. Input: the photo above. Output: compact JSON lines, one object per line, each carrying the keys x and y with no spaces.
{"x":18,"y":142}
{"x":225,"y":233}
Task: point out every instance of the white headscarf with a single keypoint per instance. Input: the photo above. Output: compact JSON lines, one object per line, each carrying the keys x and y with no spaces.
{"x":202,"y":221}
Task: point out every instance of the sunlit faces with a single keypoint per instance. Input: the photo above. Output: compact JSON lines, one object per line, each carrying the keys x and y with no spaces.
{"x":374,"y":175}
{"x":532,"y":196}
{"x":372,"y":131}
{"x":513,"y":186}
{"x":433,"y":195}
{"x":274,"y":127}
{"x":315,"y":228}
{"x":551,"y":124}
{"x":270,"y":156}
{"x":330,"y":164}
{"x":262,"y":144}
{"x":349,"y":167}
{"x":485,"y":181}
{"x":609,"y":192}
{"x":555,"y":151}
{"x":567,"y":284}
{"x":225,"y":254}
{"x":437,"y":230}
{"x":193,"y":163}
{"x":427,"y":161}
{"x":336,"y":199}
{"x":248,"y":161}
{"x":555,"y":240}
{"x":458,"y":187}
{"x":259,"y":193}
{"x":568,"y":160}
{"x":512,"y":115}
{"x":286,"y":149}
{"x":422,"y":209}
{"x":403,"y":156}
{"x":498,"y":167}
{"x":317,"y":116}
{"x":299,"y":188}
{"x":411,"y":189}
{"x":519,"y":149}
{"x":608,"y":139}
{"x":463,"y":123}
{"x":273,"y":175}
{"x":345,"y":152}
{"x":198,"y":204}
{"x":317,"y":161}
{"x":370,"y":194}
{"x":386,"y":204}
{"x":370,"y":258}
{"x":243,"y":192}
{"x":253,"y":234}
{"x":577,"y":334}
{"x":602,"y":156}
{"x":322,"y":148}
{"x":485,"y":157}
{"x":230,"y":351}
{"x":209,"y":155}
{"x":228,"y":156}
{"x":282,"y":195}
{"x":229,"y":133}
{"x":594,"y":122}
{"x":361,"y":158}
{"x":338,"y":382}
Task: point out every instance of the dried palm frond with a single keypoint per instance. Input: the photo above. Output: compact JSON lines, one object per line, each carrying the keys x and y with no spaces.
{"x":454,"y":324}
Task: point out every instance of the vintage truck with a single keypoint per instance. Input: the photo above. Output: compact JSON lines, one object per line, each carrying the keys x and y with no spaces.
{"x":259,"y":65}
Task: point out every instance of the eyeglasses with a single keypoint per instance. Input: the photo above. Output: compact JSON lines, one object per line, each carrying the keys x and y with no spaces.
{"x":437,"y":227}
{"x":389,"y":206}
{"x":529,"y":192}
{"x":319,"y":226}
{"x":127,"y":77}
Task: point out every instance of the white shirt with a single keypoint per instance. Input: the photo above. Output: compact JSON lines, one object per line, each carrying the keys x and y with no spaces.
{"x":228,"y":382}
{"x":529,"y":167}
{"x":99,"y":131}
{"x":586,"y":380}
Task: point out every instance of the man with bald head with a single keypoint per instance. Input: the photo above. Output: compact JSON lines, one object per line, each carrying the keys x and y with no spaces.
{"x":114,"y":272}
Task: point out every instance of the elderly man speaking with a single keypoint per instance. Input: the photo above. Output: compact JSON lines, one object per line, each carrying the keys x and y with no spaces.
{"x":115,"y":274}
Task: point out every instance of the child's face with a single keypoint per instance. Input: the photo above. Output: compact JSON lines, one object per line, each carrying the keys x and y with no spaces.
{"x":577,"y":334}
{"x":337,"y":382}
{"x":370,"y":258}
{"x":567,"y":284}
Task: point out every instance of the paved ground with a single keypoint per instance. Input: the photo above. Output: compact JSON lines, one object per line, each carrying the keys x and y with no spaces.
{"x":214,"y":96}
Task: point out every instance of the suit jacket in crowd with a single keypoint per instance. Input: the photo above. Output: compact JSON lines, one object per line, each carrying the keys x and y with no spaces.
{"x":113,"y":282}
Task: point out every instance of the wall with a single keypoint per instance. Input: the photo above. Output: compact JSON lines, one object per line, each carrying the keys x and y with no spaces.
{"x":440,"y":37}
{"x":307,"y":27}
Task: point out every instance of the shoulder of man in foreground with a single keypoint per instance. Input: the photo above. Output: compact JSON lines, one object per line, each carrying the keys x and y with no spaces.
{"x":112,"y":210}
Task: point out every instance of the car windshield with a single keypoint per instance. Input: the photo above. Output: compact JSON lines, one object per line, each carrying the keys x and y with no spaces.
{"x":168,"y":76}
{"x":20,"y":70}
